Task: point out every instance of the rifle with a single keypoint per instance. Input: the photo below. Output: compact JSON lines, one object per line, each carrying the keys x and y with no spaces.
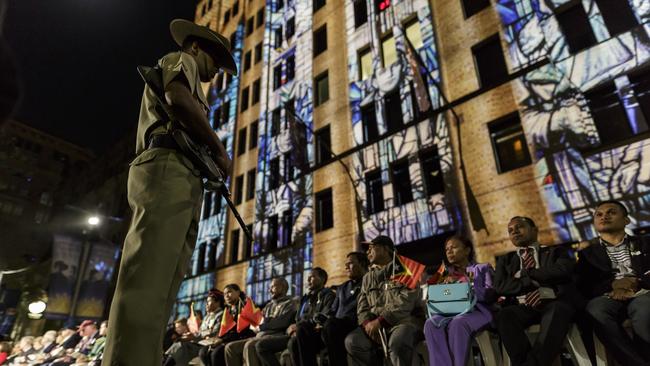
{"x":199,"y":154}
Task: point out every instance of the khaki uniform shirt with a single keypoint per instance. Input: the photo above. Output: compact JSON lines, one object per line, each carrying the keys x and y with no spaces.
{"x":172,"y":65}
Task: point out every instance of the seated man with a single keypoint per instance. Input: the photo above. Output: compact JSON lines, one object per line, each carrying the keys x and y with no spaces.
{"x":279,"y":313}
{"x":385,"y":311}
{"x":339,"y":320}
{"x":94,"y":357}
{"x":188,"y":346}
{"x":614,"y":274}
{"x":537,"y":282}
{"x":89,"y":331}
{"x":317,"y":300}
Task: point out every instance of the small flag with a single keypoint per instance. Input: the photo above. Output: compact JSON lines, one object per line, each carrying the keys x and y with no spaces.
{"x":250,"y":315}
{"x":421,"y":91}
{"x":193,"y":322}
{"x":407,"y":271}
{"x":227,"y":323}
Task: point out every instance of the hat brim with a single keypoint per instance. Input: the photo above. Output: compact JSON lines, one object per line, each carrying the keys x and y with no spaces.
{"x":182,"y":28}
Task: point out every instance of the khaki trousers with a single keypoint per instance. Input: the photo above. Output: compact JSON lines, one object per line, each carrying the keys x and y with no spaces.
{"x":242,"y":352}
{"x":164,"y":193}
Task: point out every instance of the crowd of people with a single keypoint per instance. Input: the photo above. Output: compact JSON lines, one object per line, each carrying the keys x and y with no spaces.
{"x":372,"y":317}
{"x":83,"y":346}
{"x":603,"y":288}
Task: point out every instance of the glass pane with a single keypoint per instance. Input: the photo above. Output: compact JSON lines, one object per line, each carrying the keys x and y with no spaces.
{"x":389,"y":51}
{"x":414,"y":35}
{"x":366,"y":64}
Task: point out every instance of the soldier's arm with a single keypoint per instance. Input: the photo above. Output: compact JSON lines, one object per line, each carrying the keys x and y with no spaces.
{"x":188,"y":110}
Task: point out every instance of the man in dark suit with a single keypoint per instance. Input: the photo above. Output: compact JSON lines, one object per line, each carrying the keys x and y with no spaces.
{"x":537,"y":283}
{"x":614,"y":274}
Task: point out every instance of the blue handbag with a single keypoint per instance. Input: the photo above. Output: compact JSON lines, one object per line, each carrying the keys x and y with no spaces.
{"x":450,"y":299}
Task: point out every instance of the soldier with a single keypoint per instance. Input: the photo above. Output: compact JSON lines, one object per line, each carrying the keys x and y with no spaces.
{"x":164,"y":192}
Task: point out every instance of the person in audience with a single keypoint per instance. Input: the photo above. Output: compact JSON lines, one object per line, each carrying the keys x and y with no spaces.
{"x":317,"y":300}
{"x":537,"y":282}
{"x":339,"y":320}
{"x":279,"y":313}
{"x":49,"y":341}
{"x":214,"y":355}
{"x":66,"y":342}
{"x":94,"y":357}
{"x":5,"y":349}
{"x":448,"y":338}
{"x":189,"y":345}
{"x":89,"y":331}
{"x":24,"y":350}
{"x":614,"y":274}
{"x":386,"y":312}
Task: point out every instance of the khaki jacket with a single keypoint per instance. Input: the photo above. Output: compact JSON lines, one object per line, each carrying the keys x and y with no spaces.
{"x":382,"y":297}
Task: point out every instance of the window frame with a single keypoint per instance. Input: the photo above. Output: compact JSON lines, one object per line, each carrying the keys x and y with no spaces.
{"x":323,"y":219}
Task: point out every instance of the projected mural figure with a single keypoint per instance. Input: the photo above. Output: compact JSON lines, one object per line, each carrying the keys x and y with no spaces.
{"x":557,"y":118}
{"x":374,"y":97}
{"x":283,"y":200}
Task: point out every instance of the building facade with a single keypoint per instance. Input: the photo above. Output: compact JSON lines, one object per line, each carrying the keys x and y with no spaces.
{"x":443,"y":117}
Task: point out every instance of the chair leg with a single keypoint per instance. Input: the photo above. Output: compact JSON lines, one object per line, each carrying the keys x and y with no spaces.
{"x":576,"y":347}
{"x":485,"y":345}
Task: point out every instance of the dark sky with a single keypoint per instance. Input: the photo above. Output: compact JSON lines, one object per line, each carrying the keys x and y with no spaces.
{"x":77,"y":60}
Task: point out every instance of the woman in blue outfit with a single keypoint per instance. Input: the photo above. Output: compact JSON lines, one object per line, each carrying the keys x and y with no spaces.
{"x":448,"y":340}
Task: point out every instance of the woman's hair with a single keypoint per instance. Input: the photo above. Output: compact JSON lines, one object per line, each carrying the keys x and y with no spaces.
{"x":467,"y":243}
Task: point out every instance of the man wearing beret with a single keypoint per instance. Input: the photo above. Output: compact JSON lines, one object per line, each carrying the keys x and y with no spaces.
{"x":164,"y":192}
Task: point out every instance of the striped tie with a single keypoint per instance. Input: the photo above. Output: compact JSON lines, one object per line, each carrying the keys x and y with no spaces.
{"x":532,"y":298}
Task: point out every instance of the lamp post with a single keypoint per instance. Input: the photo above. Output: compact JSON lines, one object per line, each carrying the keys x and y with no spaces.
{"x":86,"y":248}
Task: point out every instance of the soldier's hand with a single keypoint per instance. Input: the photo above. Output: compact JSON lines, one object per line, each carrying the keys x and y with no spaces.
{"x":372,"y":330}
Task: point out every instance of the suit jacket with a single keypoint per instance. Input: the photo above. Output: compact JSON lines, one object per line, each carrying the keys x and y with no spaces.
{"x":595,"y":273}
{"x":555,"y":271}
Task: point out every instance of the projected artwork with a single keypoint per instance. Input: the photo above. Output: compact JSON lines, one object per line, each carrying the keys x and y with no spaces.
{"x":283,"y":199}
{"x":383,"y":98}
{"x":568,"y":117}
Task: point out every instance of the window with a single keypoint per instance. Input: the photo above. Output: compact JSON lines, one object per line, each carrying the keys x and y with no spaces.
{"x":287,"y":226}
{"x":216,"y":118}
{"x":365,"y":63}
{"x":244,"y":99}
{"x":239,"y":189}
{"x":509,"y":144}
{"x":320,"y":40}
{"x":252,"y":140}
{"x":291,"y":27}
{"x":288,"y":168}
{"x":430,"y":164}
{"x":318,"y":4}
{"x":291,"y":67}
{"x":219,"y":82}
{"x":247,"y":61}
{"x":278,"y":37}
{"x":575,"y":26}
{"x":608,"y":114}
{"x":258,"y":52}
{"x":200,"y":259}
{"x":274,"y":177}
{"x":275,"y":121}
{"x":393,"y":109}
{"x":489,"y":61}
{"x":235,"y":8}
{"x":277,"y":76}
{"x":324,"y":210}
{"x":234,"y":246}
{"x":272,"y":244}
{"x":279,"y":5}
{"x":401,"y":183}
{"x":233,"y":37}
{"x":617,"y":15}
{"x":388,"y":51}
{"x":640,"y":82}
{"x":374,"y":193}
{"x":207,"y":206}
{"x":369,"y":122}
{"x":323,"y":145}
{"x":248,"y":248}
{"x":260,"y":17}
{"x":241,"y":142}
{"x":360,"y":13}
{"x":471,"y":7}
{"x":256,"y":92}
{"x":225,"y":113}
{"x":322,"y":92}
{"x":250,"y":26}
{"x":250,"y":185}
{"x":289,"y":110}
{"x":226,"y":17}
{"x":414,"y":34}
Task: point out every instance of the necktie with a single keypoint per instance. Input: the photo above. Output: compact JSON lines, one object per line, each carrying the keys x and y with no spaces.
{"x":532,"y":298}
